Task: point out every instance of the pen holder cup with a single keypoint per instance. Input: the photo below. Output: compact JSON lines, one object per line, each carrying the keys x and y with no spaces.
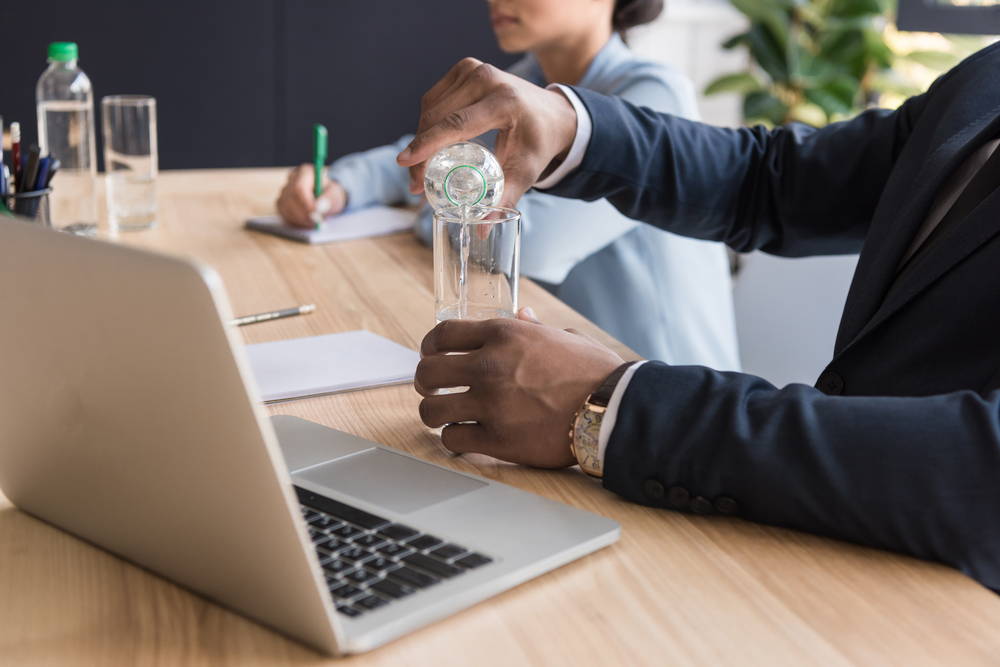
{"x":32,"y":205}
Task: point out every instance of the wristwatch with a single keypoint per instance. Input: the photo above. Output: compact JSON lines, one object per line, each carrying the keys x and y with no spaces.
{"x":585,"y":432}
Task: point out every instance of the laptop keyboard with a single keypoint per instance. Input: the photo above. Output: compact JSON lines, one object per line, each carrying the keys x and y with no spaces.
{"x":370,"y":561}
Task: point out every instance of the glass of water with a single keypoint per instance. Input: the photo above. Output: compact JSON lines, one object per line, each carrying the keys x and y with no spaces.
{"x":476,"y":262}
{"x":130,"y":160}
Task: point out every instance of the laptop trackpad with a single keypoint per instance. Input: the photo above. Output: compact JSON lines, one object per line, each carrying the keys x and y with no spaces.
{"x":397,"y":483}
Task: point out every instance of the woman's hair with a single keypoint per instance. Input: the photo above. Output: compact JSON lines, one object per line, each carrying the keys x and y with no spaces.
{"x":630,"y":13}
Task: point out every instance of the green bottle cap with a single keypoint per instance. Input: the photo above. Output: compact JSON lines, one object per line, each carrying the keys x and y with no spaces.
{"x":63,"y":51}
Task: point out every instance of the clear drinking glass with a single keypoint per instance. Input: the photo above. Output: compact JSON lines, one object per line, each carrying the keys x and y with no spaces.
{"x":130,"y":160}
{"x":476,"y":262}
{"x":32,"y":205}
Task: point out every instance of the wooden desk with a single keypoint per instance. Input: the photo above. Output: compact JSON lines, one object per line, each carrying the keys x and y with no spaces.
{"x":675,"y":590}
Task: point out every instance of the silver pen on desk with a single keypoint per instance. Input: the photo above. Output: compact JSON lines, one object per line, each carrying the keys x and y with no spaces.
{"x":274,"y":315}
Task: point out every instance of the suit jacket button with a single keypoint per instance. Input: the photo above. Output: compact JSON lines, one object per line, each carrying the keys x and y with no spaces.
{"x":701,"y":505}
{"x":653,"y":489}
{"x":830,"y":383}
{"x":678,"y":497}
{"x":726,"y":505}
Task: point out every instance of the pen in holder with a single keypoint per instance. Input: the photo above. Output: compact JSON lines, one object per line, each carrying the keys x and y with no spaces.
{"x":33,"y":205}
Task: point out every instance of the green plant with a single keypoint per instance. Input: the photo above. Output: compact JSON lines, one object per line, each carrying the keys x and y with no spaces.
{"x":816,"y":61}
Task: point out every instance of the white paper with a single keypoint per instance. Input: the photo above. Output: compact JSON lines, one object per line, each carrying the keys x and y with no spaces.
{"x":300,"y":367}
{"x":363,"y":223}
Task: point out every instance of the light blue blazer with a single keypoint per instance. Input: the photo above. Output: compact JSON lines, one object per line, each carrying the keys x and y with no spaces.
{"x":665,"y":296}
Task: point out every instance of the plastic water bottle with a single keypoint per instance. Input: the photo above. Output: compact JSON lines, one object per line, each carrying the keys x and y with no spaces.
{"x":464,"y":175}
{"x":66,"y":132}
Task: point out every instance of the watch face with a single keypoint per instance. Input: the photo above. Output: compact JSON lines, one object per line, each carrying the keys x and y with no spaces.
{"x":590,"y":425}
{"x":588,"y":432}
{"x":591,"y":463}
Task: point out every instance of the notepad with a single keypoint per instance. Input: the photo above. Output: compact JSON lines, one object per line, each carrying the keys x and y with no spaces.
{"x":300,"y":367}
{"x":363,"y":223}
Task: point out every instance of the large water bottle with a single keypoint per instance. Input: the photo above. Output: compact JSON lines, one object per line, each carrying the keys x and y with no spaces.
{"x":66,"y":132}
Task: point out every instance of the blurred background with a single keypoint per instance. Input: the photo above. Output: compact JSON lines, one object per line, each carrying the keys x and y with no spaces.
{"x":238,"y":84}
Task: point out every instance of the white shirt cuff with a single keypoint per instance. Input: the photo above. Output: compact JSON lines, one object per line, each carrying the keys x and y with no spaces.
{"x":611,"y":414}
{"x":580,"y":141}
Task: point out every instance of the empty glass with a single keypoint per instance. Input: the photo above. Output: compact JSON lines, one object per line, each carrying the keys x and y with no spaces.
{"x":130,"y":160}
{"x":476,"y":262}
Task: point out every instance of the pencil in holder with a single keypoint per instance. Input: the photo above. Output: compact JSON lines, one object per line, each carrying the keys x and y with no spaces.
{"x":33,"y":205}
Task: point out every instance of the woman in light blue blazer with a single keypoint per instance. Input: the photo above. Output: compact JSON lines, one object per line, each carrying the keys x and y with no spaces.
{"x":664,"y":296}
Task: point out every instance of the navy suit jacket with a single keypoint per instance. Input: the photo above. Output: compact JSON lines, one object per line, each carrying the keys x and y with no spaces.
{"x":898,"y":444}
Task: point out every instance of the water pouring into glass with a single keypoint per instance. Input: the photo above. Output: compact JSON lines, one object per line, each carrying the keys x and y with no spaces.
{"x":476,"y":243}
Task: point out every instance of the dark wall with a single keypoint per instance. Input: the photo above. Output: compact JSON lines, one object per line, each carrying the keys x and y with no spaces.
{"x":954,"y":16}
{"x":239,"y":84}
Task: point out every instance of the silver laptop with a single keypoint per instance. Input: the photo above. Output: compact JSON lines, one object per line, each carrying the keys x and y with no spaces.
{"x":128,"y":417}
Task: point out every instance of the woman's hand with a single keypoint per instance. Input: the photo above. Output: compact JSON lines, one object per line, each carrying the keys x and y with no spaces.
{"x":296,"y":203}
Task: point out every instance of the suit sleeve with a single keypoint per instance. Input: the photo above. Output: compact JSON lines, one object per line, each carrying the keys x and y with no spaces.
{"x":790,"y":191}
{"x":558,"y":234}
{"x":916,"y":475}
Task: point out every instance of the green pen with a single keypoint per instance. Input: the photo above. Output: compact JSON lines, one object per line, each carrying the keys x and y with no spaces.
{"x":320,"y":147}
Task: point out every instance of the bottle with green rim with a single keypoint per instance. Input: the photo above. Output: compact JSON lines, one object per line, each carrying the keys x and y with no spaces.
{"x":465,"y":174}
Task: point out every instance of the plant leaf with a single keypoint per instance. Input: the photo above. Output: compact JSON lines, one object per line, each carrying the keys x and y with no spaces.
{"x":830,"y":101}
{"x":771,"y":15}
{"x":810,"y":114}
{"x":877,"y":52}
{"x":735,"y":41}
{"x":762,"y":105}
{"x":768,"y":53}
{"x":810,"y":57}
{"x":846,"y":89}
{"x":816,"y":71}
{"x":842,"y":46}
{"x":758,"y":10}
{"x":739,"y":82}
{"x":853,"y":8}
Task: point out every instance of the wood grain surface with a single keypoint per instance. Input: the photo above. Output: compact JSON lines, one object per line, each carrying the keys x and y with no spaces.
{"x":676,"y":590}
